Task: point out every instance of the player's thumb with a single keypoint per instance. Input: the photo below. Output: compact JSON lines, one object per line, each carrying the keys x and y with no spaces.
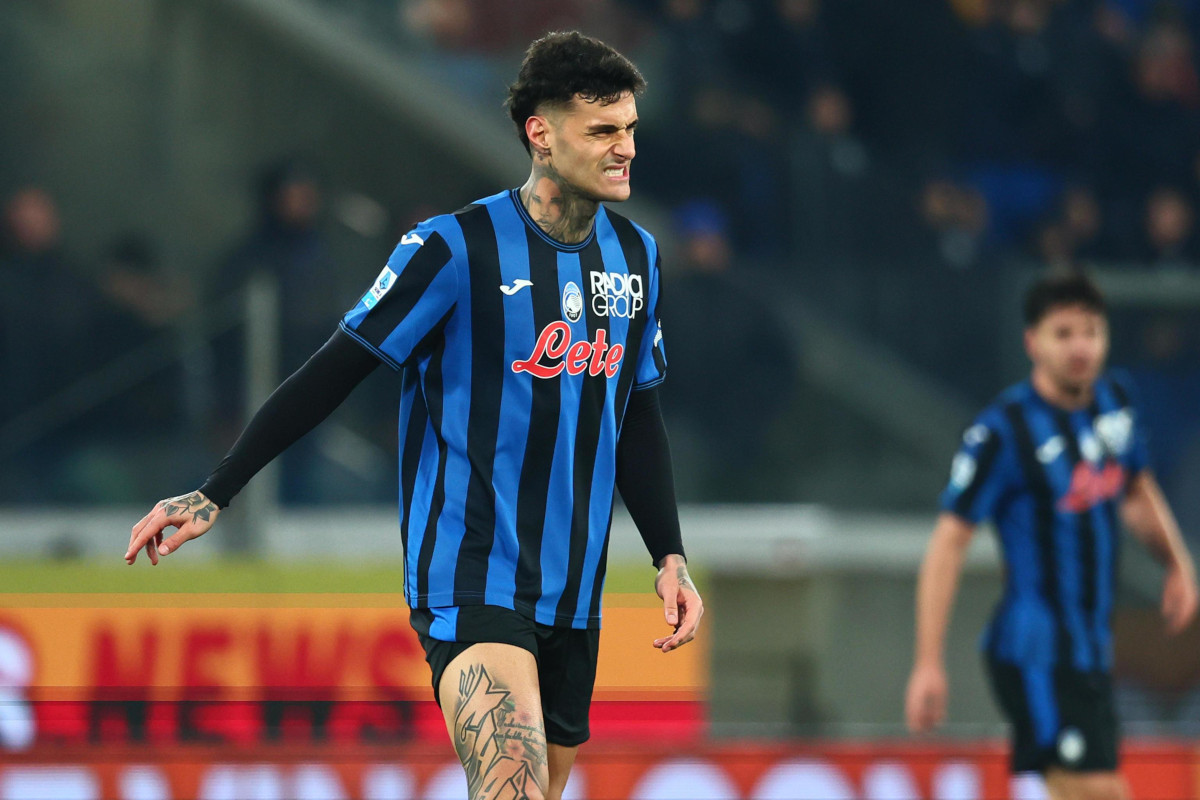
{"x":172,"y":543}
{"x":670,"y":608}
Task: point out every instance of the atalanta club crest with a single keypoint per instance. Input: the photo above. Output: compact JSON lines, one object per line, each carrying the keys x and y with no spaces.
{"x":572,"y":302}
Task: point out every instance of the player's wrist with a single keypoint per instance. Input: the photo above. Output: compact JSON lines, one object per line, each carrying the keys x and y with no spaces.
{"x":928,"y":662}
{"x":671,"y":560}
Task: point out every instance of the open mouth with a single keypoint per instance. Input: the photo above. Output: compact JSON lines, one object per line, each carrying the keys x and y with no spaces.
{"x":616,"y":172}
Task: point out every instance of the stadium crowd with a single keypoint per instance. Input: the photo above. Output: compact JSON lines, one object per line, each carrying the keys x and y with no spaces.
{"x":900,"y":174}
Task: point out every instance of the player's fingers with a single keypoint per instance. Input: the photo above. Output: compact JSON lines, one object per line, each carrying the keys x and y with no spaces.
{"x":685,"y":633}
{"x":145,"y":534}
{"x":936,"y":708}
{"x":173,"y":543}
{"x":912,"y":713}
{"x":671,"y":605}
{"x":149,"y":525}
{"x":137,"y":526}
{"x":137,"y":529}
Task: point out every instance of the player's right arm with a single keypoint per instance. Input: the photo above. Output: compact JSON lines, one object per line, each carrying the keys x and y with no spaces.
{"x":981,"y":475}
{"x":404,"y":308}
{"x":295,"y":408}
{"x":937,"y":585}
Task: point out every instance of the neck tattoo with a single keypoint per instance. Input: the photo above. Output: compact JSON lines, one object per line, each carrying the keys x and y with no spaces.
{"x":556,"y":206}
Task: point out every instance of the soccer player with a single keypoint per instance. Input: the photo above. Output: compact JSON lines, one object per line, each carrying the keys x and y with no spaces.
{"x":1053,"y":462}
{"x":526,"y":328}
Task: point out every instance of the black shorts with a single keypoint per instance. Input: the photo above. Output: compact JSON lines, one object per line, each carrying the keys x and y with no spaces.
{"x":566,"y":659}
{"x":1061,"y":717}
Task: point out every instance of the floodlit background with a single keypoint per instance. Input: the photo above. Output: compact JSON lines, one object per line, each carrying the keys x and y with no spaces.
{"x":851,"y":197}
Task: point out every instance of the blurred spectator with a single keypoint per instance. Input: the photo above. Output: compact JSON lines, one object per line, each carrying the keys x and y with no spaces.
{"x":833,"y":190}
{"x":501,"y":26}
{"x":1169,"y":232}
{"x":288,"y":246}
{"x":1151,"y":137}
{"x":731,"y":365}
{"x":47,"y":304}
{"x":789,"y":54}
{"x":697,"y":54}
{"x":143,"y":306}
{"x":1074,"y":234}
{"x":48,"y":312}
{"x":955,"y":219}
{"x":143,"y":299}
{"x":1012,"y":111}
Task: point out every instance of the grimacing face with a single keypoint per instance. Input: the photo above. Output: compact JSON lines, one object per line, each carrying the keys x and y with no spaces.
{"x":1068,"y":346}
{"x":591,"y":146}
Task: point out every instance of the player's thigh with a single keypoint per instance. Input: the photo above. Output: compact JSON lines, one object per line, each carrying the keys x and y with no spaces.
{"x":492,"y":706}
{"x":560,"y":759}
{"x":1063,"y":784}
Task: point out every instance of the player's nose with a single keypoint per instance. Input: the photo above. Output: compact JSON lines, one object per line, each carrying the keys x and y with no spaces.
{"x":625,"y":147}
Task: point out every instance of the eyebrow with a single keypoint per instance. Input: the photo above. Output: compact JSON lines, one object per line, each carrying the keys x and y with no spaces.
{"x":610,"y":128}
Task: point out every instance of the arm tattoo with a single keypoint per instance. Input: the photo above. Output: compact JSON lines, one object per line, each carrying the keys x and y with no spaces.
{"x":502,"y":750}
{"x":556,"y":206}
{"x":196,"y":504}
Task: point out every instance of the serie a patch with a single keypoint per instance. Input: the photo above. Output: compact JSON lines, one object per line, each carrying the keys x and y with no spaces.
{"x":379,"y":288}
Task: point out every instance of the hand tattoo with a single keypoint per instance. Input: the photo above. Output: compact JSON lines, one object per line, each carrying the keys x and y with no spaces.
{"x":685,"y":582}
{"x":503,"y":751}
{"x":196,"y":504}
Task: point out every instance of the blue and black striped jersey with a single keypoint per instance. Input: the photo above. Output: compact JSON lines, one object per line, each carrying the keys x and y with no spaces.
{"x":1051,"y":481}
{"x":518,"y":354}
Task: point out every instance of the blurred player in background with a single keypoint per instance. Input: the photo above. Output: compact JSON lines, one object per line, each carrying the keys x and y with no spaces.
{"x":1053,"y":462}
{"x":526,"y":327}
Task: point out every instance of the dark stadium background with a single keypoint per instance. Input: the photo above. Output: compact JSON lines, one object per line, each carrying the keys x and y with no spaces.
{"x":851,"y":197}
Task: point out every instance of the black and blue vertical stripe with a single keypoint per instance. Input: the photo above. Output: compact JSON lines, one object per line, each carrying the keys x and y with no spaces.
{"x":507,"y":478}
{"x":1036,"y":471}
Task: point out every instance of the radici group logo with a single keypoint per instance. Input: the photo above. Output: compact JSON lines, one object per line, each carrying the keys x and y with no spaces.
{"x":616,"y":294}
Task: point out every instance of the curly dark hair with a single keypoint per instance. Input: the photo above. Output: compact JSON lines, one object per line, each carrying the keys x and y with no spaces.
{"x":1073,"y":289}
{"x":561,"y":65}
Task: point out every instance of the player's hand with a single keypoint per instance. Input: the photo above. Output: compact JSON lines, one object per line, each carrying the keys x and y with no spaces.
{"x":1179,"y":598}
{"x":682,"y":605}
{"x":925,"y":700}
{"x":192,"y":514}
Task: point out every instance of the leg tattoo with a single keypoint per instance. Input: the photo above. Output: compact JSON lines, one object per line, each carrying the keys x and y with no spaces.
{"x":502,"y":750}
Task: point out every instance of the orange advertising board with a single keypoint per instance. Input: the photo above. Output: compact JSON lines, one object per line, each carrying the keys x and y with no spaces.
{"x":245,"y":668}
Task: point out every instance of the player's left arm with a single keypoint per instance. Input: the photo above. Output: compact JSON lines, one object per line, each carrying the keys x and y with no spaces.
{"x":1146,"y":513}
{"x":647,"y":485}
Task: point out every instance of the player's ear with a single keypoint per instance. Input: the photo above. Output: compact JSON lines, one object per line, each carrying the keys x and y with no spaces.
{"x":537,"y":128}
{"x":1030,"y":335}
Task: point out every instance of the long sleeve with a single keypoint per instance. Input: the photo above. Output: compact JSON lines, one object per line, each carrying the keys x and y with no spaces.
{"x":645,"y":477}
{"x":295,"y":408}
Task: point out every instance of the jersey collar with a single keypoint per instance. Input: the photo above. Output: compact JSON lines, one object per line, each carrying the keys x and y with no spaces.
{"x":515,"y":194}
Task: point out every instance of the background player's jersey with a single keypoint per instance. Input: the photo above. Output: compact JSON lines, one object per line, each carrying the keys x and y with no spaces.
{"x":518,"y":354}
{"x":1051,"y":481}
